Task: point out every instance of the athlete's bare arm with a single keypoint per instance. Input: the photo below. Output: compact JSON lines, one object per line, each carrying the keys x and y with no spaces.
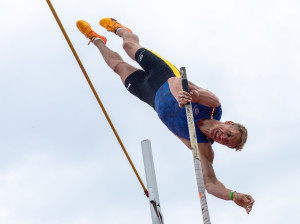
{"x":212,"y":184}
{"x":196,"y":95}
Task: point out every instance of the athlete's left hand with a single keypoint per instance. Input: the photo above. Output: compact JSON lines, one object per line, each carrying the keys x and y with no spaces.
{"x":184,"y":98}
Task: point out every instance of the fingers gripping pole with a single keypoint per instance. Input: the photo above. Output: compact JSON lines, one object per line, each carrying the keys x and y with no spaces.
{"x":194,"y":147}
{"x":95,"y":93}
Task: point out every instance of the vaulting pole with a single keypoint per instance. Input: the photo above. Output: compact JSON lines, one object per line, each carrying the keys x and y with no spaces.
{"x":194,"y":147}
{"x":95,"y":93}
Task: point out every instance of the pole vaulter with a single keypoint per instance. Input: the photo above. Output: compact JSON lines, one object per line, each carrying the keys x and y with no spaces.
{"x":159,"y":85}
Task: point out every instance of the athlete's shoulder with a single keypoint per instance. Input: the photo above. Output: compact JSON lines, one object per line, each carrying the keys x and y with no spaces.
{"x":203,"y":96}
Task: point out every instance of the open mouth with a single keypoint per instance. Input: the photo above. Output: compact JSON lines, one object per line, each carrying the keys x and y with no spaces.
{"x":215,"y":133}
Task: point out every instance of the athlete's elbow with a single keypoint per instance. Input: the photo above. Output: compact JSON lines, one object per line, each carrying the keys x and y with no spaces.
{"x":209,"y":187}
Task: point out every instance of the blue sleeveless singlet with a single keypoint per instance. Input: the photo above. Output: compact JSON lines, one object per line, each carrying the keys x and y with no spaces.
{"x":174,"y":117}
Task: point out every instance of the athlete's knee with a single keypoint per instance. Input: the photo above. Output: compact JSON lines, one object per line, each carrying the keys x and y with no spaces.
{"x":119,"y":66}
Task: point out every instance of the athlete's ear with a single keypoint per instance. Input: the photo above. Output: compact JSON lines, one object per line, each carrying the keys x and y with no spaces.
{"x":229,"y":122}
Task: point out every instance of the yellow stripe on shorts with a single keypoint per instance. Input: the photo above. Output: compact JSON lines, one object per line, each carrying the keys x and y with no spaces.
{"x":174,"y":69}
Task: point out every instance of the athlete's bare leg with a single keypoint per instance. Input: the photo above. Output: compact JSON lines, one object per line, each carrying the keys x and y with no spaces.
{"x":130,"y":42}
{"x":114,"y":61}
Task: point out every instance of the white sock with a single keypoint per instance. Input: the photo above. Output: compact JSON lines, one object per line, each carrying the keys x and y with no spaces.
{"x":119,"y":29}
{"x":97,"y":38}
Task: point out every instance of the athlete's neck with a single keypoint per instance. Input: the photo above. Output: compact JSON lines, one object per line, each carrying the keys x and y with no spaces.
{"x":206,"y":125}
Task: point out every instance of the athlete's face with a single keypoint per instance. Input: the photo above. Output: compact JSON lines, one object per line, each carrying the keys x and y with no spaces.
{"x":226,"y":134}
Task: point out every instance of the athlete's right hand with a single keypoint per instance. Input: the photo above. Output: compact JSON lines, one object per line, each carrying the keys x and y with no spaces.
{"x":243,"y":200}
{"x":184,"y":98}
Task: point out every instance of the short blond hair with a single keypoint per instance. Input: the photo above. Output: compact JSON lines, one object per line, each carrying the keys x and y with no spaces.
{"x":244,"y":136}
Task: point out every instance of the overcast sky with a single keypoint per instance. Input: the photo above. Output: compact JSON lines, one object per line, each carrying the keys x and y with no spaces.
{"x":61,"y":163}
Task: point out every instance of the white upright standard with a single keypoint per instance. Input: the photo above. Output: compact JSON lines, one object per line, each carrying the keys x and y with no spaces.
{"x":157,"y":217}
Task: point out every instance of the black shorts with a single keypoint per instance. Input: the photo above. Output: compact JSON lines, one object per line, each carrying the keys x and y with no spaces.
{"x":145,"y":83}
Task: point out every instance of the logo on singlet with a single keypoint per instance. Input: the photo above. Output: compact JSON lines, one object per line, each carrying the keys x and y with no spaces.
{"x":128,"y":86}
{"x":196,"y":110}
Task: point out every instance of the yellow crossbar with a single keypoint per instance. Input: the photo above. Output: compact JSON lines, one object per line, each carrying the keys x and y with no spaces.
{"x":96,"y":95}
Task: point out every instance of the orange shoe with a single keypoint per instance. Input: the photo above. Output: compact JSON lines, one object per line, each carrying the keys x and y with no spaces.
{"x":87,"y":30}
{"x":112,"y":25}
